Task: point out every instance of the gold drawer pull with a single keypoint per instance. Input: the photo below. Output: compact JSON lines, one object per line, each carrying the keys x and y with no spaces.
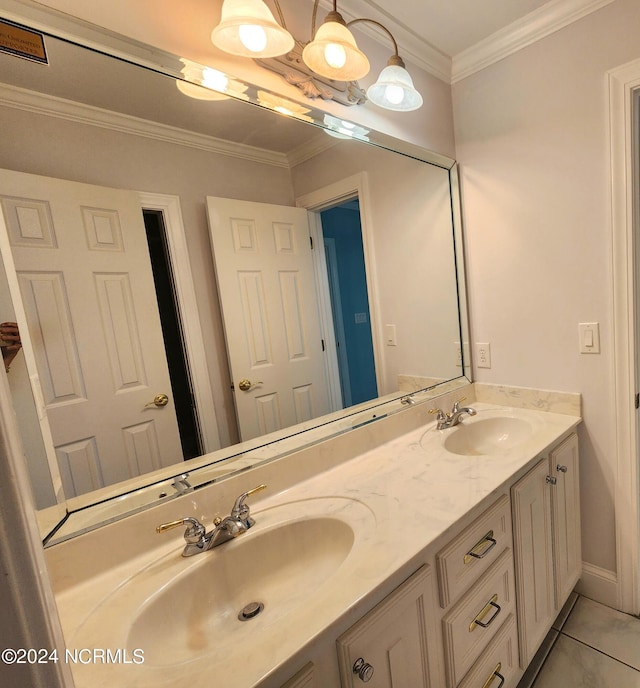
{"x":482,"y":546}
{"x":478,"y":621}
{"x":495,"y":674}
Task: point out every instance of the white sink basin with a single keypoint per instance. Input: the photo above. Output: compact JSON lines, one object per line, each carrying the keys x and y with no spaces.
{"x":181,"y":609}
{"x":280,"y":569}
{"x":492,"y":435}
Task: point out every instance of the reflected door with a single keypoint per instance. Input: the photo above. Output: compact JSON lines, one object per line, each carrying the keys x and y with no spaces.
{"x":83,"y":267}
{"x":269,"y":308}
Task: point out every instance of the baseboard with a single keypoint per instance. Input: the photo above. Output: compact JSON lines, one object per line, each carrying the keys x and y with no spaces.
{"x":598,"y":584}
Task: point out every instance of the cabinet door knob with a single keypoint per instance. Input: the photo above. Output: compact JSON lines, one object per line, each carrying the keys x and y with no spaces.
{"x":562,"y":469}
{"x":551,"y":480}
{"x":363,"y":669}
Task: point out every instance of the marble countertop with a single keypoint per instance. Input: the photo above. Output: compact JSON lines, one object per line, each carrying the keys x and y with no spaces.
{"x":409,"y":491}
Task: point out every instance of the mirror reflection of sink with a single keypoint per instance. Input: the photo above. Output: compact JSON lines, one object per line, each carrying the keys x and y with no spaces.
{"x":180,"y":609}
{"x":493,"y":435}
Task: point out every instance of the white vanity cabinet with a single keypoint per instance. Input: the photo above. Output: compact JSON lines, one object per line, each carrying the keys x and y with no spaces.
{"x":477,"y":592}
{"x":396,"y":643}
{"x":546,"y":531}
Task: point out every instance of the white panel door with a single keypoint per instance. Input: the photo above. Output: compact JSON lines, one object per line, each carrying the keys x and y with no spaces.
{"x":269,"y":307}
{"x":82,"y":262}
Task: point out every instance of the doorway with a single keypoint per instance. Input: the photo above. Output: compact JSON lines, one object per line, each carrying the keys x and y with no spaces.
{"x":624,"y":112}
{"x":346,"y":273}
{"x":172,"y":334}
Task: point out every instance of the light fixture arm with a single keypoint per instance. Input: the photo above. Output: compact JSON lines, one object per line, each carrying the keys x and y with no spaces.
{"x":314,"y":15}
{"x":395,"y":59}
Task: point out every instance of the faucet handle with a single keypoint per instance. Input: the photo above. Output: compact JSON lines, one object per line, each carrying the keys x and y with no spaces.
{"x":241,"y":510}
{"x":456,"y":404}
{"x":194,"y":533}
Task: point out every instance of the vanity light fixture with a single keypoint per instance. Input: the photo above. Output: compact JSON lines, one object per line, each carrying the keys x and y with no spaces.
{"x":394,"y":89}
{"x":248,"y":28}
{"x":333,"y":52}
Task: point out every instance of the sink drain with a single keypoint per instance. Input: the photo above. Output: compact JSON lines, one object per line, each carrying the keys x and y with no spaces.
{"x":250,"y":611}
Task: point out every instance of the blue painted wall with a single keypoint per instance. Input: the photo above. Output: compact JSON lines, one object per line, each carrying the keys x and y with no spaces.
{"x":343,"y":225}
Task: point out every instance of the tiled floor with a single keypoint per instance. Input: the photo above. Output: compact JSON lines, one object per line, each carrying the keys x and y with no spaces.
{"x":591,"y":646}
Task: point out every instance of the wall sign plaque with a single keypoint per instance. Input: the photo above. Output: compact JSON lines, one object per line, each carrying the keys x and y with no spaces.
{"x":22,"y":42}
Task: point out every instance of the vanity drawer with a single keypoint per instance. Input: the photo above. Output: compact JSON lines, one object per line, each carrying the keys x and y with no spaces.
{"x":499,"y":662}
{"x":474,"y":621}
{"x":467,"y":557}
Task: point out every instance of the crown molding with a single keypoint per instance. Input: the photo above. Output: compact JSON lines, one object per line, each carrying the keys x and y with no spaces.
{"x":533,"y":27}
{"x":52,"y":106}
{"x":310,"y":149}
{"x":411,"y":46}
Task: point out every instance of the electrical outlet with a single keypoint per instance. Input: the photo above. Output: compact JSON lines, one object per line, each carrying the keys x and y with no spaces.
{"x":461,"y":351}
{"x":483,"y":355}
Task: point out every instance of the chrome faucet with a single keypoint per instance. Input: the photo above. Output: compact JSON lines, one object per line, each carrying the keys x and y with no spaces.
{"x":449,"y":420}
{"x":198,"y":540}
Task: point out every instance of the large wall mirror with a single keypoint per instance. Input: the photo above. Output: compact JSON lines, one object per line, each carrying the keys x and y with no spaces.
{"x":202,"y":284}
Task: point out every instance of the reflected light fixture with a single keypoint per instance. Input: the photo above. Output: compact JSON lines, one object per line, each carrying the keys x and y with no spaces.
{"x":343,"y":129}
{"x":283,"y":106}
{"x":248,"y":28}
{"x":205,"y":83}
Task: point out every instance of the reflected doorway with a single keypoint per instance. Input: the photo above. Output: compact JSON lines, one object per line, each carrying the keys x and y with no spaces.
{"x":346,"y":275}
{"x":172,"y":334}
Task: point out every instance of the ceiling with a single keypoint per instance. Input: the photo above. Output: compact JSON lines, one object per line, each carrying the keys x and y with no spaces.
{"x":452,"y":26}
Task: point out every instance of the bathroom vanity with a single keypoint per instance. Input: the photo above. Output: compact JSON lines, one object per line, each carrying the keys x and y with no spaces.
{"x":394,"y":554}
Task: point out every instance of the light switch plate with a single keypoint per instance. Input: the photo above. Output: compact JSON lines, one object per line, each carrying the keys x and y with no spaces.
{"x":589,"y":338}
{"x":390,"y":335}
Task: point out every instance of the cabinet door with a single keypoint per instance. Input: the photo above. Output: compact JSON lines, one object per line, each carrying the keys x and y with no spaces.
{"x":532,"y":543}
{"x":565,"y":502}
{"x":395,"y":645}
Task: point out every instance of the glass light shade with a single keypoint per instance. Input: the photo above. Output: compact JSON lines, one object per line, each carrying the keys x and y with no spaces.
{"x":249,"y":29}
{"x":333,"y":53}
{"x":394,"y":90}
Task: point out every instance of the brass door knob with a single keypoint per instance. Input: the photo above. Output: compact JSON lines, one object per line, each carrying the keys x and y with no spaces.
{"x":159,"y":400}
{"x":245,"y":385}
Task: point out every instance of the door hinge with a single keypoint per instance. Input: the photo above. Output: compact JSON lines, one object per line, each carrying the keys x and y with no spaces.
{"x":637,"y":400}
{"x":311,"y":242}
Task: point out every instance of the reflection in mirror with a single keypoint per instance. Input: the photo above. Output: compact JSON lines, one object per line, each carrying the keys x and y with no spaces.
{"x":371,"y":312}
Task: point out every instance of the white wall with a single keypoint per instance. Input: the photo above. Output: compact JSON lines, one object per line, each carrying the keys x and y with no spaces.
{"x":532,"y":142}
